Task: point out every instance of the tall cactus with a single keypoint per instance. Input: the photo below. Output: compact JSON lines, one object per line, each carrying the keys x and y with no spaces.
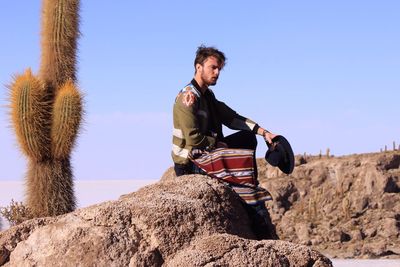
{"x":46,"y":112}
{"x":60,"y":22}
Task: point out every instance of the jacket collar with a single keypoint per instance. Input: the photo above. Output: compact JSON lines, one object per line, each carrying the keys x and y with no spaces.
{"x":197,"y":86}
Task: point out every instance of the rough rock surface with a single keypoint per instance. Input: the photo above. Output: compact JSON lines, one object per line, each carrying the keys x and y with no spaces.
{"x":347,"y":207}
{"x":147,"y":228}
{"x":229,"y":250}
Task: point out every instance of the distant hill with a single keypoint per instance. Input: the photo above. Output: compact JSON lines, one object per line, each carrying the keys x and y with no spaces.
{"x":346,"y":206}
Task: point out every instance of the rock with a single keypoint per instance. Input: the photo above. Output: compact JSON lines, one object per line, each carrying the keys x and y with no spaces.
{"x":374,"y":182}
{"x":285,"y":194}
{"x":359,"y":203}
{"x":346,"y":202}
{"x":344,"y":237}
{"x":393,"y":249}
{"x":389,"y":201}
{"x":317,"y":240}
{"x":392,"y":184}
{"x":389,"y":161}
{"x":14,"y":235}
{"x":319,"y":175}
{"x":334,"y":235}
{"x":300,"y":160}
{"x":370,"y":232}
{"x":143,"y":227}
{"x":357,"y":235}
{"x":302,"y":232}
{"x":229,"y":250}
{"x":4,"y":255}
{"x":374,"y":249}
{"x":390,"y":227}
{"x":328,"y":208}
{"x":146,"y":228}
{"x":168,"y":174}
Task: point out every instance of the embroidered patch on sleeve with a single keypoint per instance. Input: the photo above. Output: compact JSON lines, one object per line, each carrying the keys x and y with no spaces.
{"x":188,"y":98}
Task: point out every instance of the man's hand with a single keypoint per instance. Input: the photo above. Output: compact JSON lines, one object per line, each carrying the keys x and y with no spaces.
{"x":269,"y":136}
{"x":221,"y":145}
{"x":266,"y":134}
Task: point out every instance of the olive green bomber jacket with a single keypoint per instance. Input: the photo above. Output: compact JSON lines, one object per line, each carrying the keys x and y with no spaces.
{"x":198,"y":119}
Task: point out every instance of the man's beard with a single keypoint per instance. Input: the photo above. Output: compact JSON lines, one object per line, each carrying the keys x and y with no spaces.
{"x":210,"y":81}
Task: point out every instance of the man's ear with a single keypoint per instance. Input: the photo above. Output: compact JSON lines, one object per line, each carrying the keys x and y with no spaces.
{"x":198,"y":66}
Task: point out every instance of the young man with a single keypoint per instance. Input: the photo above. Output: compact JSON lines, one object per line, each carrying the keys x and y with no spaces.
{"x":198,"y":116}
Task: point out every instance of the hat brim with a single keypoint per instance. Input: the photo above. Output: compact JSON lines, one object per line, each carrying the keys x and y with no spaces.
{"x":286,"y":164}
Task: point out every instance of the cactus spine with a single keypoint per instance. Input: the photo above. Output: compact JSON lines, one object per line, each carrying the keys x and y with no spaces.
{"x":46,"y":112}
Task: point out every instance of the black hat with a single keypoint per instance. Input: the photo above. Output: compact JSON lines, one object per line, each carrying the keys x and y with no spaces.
{"x":280,"y":154}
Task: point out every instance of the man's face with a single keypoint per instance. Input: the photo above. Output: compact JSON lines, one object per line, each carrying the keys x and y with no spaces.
{"x":209,"y":71}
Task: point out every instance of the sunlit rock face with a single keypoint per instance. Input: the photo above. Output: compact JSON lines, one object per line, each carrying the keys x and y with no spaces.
{"x":174,"y":221}
{"x":345,"y":206}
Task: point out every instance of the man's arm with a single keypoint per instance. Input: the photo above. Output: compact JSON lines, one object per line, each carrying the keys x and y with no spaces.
{"x":233,"y":120}
{"x":186,"y":106}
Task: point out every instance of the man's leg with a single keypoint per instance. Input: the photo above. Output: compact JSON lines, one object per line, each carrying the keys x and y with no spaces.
{"x":241,"y":139}
{"x":245,"y":140}
{"x":181,"y":169}
{"x":264,"y":220}
{"x":189,"y":168}
{"x":262,"y":224}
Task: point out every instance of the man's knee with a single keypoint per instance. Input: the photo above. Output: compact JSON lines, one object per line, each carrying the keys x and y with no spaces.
{"x":242,"y":139}
{"x":251,"y":139}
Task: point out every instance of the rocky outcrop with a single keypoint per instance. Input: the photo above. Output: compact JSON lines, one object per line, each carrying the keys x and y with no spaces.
{"x":174,"y":221}
{"x":229,"y":250}
{"x":343,"y":206}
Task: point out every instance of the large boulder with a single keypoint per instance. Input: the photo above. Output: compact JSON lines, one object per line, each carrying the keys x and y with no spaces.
{"x":145,"y":228}
{"x":229,"y":250}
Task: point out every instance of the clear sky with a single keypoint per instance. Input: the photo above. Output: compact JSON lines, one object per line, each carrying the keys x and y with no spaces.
{"x":325,"y":74}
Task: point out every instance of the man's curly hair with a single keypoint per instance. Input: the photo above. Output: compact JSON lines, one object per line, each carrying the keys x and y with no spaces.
{"x":204,"y":52}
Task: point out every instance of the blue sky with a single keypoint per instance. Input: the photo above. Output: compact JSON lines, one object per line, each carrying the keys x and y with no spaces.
{"x":321,"y":73}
